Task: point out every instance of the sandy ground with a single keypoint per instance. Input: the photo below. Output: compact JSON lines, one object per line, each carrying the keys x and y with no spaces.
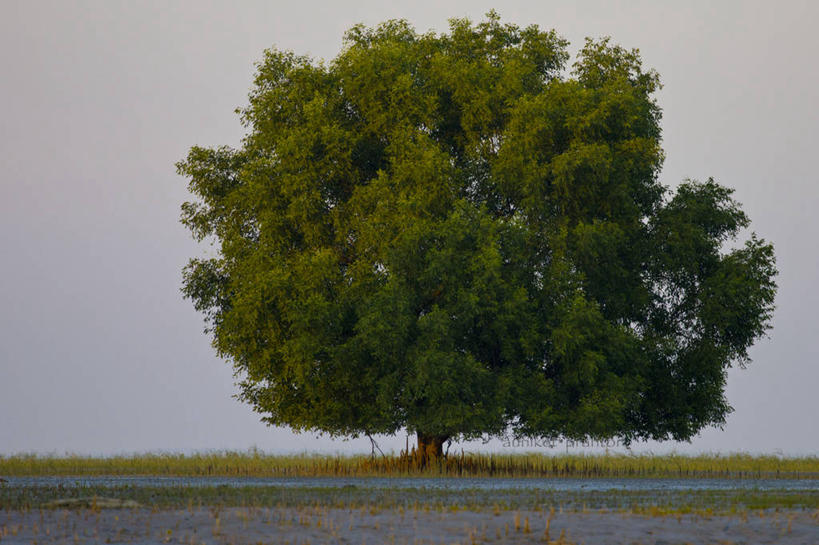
{"x":371,"y":526}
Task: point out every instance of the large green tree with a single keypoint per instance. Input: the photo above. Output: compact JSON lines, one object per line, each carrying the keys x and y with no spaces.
{"x":454,"y":234}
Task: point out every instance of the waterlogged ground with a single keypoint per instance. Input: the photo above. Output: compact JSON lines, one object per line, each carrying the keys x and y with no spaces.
{"x":407,"y":510}
{"x":319,"y":525}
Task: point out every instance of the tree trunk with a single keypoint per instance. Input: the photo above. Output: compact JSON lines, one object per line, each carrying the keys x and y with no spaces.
{"x":431,"y":446}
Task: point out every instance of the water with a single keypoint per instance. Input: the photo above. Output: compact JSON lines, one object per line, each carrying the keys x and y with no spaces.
{"x":441,"y":483}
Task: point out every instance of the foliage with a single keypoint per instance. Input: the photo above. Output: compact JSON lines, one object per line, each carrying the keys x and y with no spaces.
{"x":448,"y":233}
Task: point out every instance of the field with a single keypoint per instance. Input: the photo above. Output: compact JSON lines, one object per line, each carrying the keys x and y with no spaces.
{"x":257,"y":464}
{"x":319,"y":499}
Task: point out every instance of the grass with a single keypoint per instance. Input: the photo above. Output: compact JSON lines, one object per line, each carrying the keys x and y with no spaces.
{"x":373,"y":500}
{"x":256,"y":464}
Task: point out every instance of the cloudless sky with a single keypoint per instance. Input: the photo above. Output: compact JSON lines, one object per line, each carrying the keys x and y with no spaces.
{"x":100,"y":354}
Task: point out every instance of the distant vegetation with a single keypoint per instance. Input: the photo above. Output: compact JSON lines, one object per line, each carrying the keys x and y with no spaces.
{"x":257,"y":464}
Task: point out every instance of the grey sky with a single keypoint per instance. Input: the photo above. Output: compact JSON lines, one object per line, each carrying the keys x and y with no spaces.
{"x":98,"y":100}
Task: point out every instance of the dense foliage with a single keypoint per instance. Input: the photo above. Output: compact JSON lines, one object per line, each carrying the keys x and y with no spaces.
{"x":453,"y":234}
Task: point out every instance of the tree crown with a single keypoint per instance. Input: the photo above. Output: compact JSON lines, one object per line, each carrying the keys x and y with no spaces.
{"x":449,"y":233}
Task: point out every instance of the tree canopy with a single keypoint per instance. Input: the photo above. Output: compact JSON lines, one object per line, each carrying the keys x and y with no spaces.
{"x":458,"y":234}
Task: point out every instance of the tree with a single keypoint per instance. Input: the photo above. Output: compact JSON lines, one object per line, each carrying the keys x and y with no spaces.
{"x":450,"y":234}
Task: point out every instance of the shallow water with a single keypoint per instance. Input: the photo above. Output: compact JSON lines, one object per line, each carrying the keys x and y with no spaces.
{"x":441,"y":483}
{"x":299,"y":525}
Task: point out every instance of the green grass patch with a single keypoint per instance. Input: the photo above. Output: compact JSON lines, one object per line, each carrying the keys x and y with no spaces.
{"x":680,"y":501}
{"x":257,"y":464}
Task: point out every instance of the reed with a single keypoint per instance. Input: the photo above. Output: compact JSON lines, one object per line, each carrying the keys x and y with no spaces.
{"x":257,"y":464}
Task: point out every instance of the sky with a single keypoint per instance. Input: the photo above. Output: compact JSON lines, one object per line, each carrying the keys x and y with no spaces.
{"x":99,"y":352}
